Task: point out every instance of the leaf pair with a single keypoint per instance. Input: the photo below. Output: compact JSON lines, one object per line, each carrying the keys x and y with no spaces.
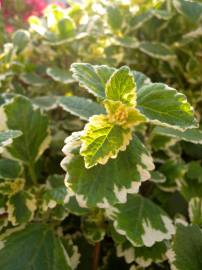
{"x":105,"y":135}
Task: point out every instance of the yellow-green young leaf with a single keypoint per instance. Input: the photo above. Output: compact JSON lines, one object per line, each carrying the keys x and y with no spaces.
{"x":21,"y":207}
{"x":123,"y":115}
{"x":102,"y":140}
{"x":121,"y":87}
{"x":33,"y":247}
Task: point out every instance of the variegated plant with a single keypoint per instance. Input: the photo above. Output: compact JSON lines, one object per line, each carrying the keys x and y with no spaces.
{"x":129,"y":193}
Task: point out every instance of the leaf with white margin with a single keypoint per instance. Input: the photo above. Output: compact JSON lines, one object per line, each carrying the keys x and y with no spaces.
{"x":72,"y":250}
{"x":143,"y":256}
{"x":92,"y":78}
{"x":121,"y":87}
{"x":102,"y":140}
{"x":157,"y":50}
{"x":46,"y":103}
{"x":195,"y":210}
{"x":193,"y":135}
{"x":21,"y":207}
{"x":81,"y":107}
{"x":163,"y":105}
{"x":141,"y":221}
{"x":106,"y":185}
{"x":8,"y":187}
{"x":140,"y":79}
{"x":41,"y":249}
{"x":190,"y":9}
{"x":60,"y":75}
{"x":9,"y":169}
{"x":185,"y":253}
{"x":93,"y":227}
{"x":6,"y":137}
{"x":34,"y":126}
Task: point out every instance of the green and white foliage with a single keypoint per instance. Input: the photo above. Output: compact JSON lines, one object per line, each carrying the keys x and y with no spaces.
{"x":119,"y":80}
{"x":106,"y":185}
{"x":105,"y":135}
{"x":141,"y":221}
{"x":21,"y":207}
{"x":143,"y":256}
{"x":40,"y":247}
{"x":186,"y":248}
{"x":33,"y":124}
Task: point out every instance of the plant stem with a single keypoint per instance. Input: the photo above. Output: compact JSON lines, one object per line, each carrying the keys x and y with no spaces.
{"x":96,"y":256}
{"x":32,"y":173}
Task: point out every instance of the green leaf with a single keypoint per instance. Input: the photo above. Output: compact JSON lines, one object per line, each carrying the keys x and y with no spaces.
{"x":141,"y":221}
{"x":46,"y":103}
{"x":190,"y":9}
{"x":195,"y":211}
{"x":41,"y":249}
{"x":81,"y":107}
{"x":186,"y":248}
{"x":60,"y":75}
{"x":33,"y":79}
{"x":102,"y":140}
{"x":9,"y":169}
{"x":191,"y":135}
{"x":114,"y":18}
{"x":103,"y":186}
{"x":140,"y":79}
{"x":126,"y":42}
{"x":7,"y":136}
{"x":157,"y":50}
{"x":165,"y":106}
{"x":121,"y":87}
{"x":55,"y":192}
{"x":34,"y":126}
{"x":21,"y":39}
{"x":92,"y":78}
{"x":21,"y":207}
{"x":143,"y":256}
{"x":66,"y":28}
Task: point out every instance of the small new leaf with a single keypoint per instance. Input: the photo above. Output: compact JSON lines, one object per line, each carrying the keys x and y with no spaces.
{"x":102,"y":140}
{"x":123,"y":115}
{"x":121,"y":87}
